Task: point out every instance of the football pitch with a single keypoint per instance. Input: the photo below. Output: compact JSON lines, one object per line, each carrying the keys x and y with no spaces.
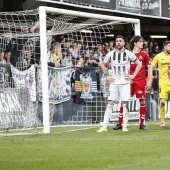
{"x":82,"y":148}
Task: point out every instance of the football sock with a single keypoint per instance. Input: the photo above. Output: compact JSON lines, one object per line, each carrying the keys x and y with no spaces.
{"x":162,"y":111}
{"x":142,"y":111}
{"x":107,"y":115}
{"x":125,"y":115}
{"x":121,"y":114}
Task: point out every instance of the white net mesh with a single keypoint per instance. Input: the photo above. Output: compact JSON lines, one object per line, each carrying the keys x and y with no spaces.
{"x":67,"y":36}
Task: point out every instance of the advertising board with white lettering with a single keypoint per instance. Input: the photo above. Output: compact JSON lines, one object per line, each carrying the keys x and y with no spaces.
{"x":16,"y":108}
{"x":145,"y":7}
{"x":111,"y":4}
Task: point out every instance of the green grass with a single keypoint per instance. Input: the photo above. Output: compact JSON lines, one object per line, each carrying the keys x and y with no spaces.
{"x":85,"y":149}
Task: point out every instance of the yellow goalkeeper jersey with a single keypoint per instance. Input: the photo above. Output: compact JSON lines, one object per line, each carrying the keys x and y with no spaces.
{"x":162,"y":60}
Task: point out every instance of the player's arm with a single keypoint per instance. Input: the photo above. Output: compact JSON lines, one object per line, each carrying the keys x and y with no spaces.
{"x":138,"y":67}
{"x":105,"y":70}
{"x":36,"y":25}
{"x":149,"y":83}
{"x":154,"y":61}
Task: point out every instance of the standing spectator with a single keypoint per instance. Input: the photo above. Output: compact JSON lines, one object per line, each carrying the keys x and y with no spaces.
{"x":119,"y":80}
{"x":156,"y":49}
{"x":138,"y":84}
{"x":58,"y":51}
{"x":19,"y":43}
{"x":67,"y":61}
{"x":145,"y":47}
{"x":99,"y":50}
{"x":111,"y":47}
{"x":150,"y":48}
{"x":79,"y":46}
{"x":6,"y":45}
{"x":74,"y":52}
{"x":106,"y":48}
{"x":81,"y":60}
{"x":162,"y":60}
{"x":52,"y":58}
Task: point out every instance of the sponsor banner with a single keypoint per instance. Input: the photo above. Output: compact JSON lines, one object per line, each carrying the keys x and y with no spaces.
{"x":146,"y":7}
{"x":59,"y":86}
{"x":165,"y":8}
{"x":111,"y":4}
{"x":16,"y":109}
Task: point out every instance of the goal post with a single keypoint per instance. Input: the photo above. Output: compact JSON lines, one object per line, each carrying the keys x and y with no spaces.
{"x":43,"y":44}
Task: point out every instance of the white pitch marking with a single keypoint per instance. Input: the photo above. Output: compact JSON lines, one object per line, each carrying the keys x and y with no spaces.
{"x":76,"y":130}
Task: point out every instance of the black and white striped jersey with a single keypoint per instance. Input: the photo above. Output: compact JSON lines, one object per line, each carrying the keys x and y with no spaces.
{"x":120,"y":63}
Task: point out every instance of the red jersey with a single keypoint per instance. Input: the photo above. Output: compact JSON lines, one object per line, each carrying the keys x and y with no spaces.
{"x":145,"y":59}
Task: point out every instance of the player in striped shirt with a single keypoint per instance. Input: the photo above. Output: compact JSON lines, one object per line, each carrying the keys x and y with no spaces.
{"x":119,"y":80}
{"x":138,"y":84}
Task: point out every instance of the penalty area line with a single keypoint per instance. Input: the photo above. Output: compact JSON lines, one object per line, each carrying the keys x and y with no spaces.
{"x":68,"y":131}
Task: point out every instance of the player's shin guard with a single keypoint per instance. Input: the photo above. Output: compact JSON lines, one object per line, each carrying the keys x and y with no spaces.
{"x":125,"y":115}
{"x":121,"y":115}
{"x":142,"y":111}
{"x":107,"y":115}
{"x":162,"y":111}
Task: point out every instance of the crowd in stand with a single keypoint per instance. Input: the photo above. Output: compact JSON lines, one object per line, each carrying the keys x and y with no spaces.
{"x":75,"y":51}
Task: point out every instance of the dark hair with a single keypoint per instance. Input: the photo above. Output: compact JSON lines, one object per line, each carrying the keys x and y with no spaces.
{"x":7,"y":31}
{"x":119,"y":36}
{"x":135,"y":39}
{"x":166,"y":43}
{"x":52,"y":47}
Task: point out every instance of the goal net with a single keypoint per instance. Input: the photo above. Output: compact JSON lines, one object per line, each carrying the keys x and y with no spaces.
{"x":35,"y":68}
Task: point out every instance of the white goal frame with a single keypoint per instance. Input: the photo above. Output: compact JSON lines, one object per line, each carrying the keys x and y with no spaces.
{"x":43,"y":46}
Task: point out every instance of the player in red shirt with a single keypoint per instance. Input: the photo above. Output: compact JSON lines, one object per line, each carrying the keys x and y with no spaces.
{"x":138,"y":84}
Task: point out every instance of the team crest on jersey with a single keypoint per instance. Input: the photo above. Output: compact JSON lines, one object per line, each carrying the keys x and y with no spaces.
{"x":125,"y":58}
{"x":140,"y":57}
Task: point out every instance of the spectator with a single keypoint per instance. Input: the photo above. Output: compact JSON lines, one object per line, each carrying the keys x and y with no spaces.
{"x":6,"y":46}
{"x":111,"y":47}
{"x":19,"y":45}
{"x":53,"y":61}
{"x":67,"y":61}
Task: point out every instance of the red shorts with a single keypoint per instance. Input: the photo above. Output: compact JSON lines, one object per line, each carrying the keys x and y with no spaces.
{"x":139,"y":88}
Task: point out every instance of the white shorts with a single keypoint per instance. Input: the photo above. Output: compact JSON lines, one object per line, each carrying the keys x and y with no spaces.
{"x":119,"y":92}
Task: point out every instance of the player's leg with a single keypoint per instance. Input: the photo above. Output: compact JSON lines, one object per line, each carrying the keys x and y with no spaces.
{"x":140,"y":90}
{"x":163,"y":96}
{"x":162,"y":111}
{"x":125,"y":116}
{"x":120,"y":119}
{"x":124,"y":91}
{"x":112,"y":99}
{"x":142,"y":112}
